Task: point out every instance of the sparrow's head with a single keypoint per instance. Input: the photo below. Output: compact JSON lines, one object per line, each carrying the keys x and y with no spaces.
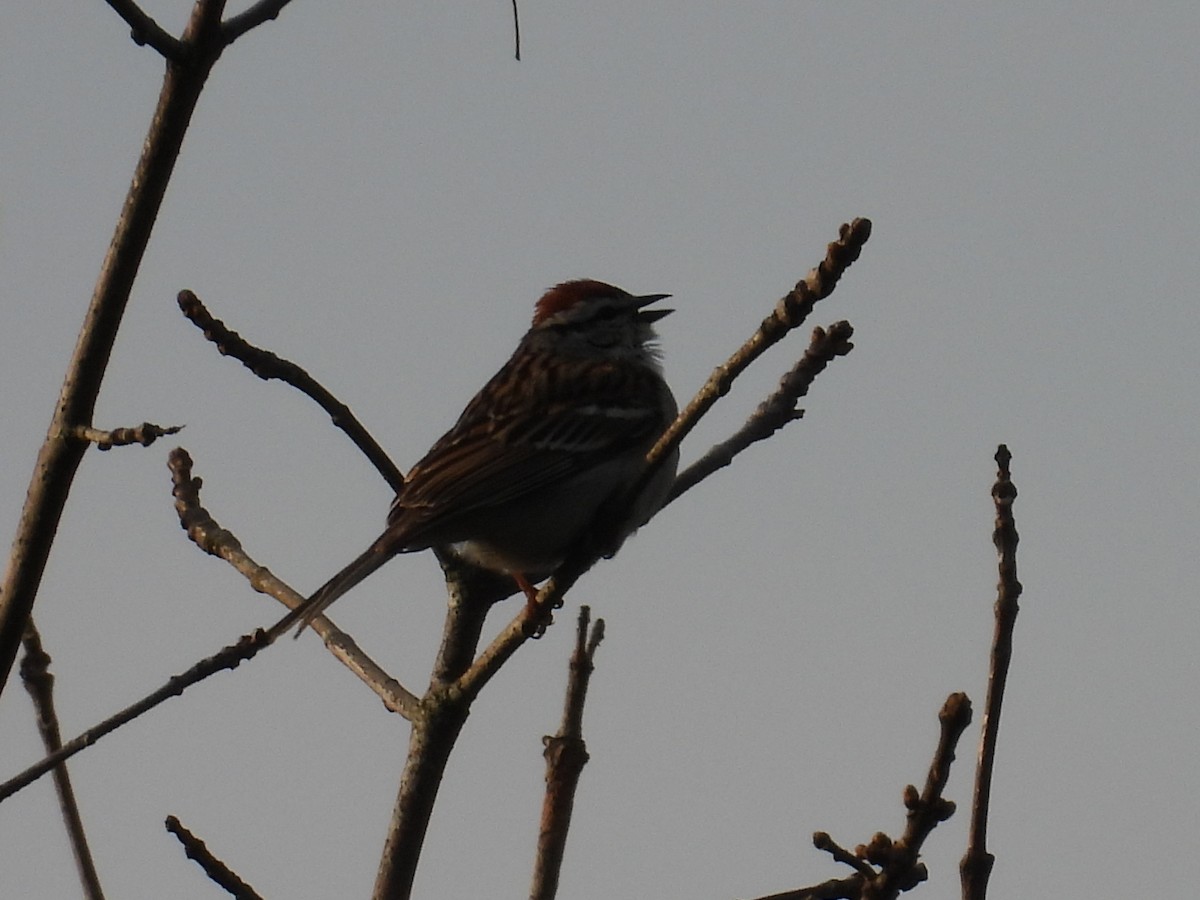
{"x":593,"y":318}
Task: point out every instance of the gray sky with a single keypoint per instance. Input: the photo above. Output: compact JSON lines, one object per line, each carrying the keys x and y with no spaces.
{"x":382,"y":195}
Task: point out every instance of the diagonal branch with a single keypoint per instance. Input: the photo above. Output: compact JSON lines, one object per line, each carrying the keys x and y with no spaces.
{"x":790,"y":313}
{"x":776,"y":411}
{"x":883,"y":868}
{"x":218,"y":872}
{"x":229,"y":657}
{"x":144,"y":30}
{"x":61,"y":452}
{"x":262,"y":11}
{"x":267,"y":365}
{"x":217,"y":541}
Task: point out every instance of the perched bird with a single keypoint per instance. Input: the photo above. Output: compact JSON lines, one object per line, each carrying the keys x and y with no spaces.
{"x":540,"y":455}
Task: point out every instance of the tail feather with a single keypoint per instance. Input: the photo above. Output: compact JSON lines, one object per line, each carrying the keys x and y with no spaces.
{"x":362,"y":566}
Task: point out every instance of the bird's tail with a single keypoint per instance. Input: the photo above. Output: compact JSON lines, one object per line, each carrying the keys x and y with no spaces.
{"x":362,"y":566}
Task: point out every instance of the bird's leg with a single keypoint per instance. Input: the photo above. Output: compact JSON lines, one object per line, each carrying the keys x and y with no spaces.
{"x":528,"y":589}
{"x":536,"y":618}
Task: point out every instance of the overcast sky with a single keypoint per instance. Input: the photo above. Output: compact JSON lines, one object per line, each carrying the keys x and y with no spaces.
{"x":381,"y":195}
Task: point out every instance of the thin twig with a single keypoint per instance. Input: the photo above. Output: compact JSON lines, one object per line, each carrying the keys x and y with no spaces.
{"x":566,"y":754}
{"x":229,"y":657}
{"x":217,"y":871}
{"x":976,"y":865}
{"x":210,"y":537}
{"x":790,"y":313}
{"x":144,"y":434}
{"x":39,"y":681}
{"x":145,"y":31}
{"x":902,"y":869}
{"x":262,"y":11}
{"x":267,"y":365}
{"x":516,"y":30}
{"x":60,"y":454}
{"x":776,"y":411}
{"x":822,"y":841}
{"x":883,"y":868}
{"x":217,"y":541}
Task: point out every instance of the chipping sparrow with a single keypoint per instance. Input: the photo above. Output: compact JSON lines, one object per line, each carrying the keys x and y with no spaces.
{"x":536,"y":456}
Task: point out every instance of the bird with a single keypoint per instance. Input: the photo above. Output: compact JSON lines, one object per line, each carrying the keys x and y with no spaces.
{"x":544,"y":454}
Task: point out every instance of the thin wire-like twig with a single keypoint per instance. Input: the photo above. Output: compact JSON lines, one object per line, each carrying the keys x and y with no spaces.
{"x":566,"y":754}
{"x":39,"y":682}
{"x":975,"y":867}
{"x":516,"y":30}
{"x":216,"y":870}
{"x":267,"y":365}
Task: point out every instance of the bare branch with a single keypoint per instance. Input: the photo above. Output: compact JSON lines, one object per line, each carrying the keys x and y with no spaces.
{"x":216,"y":870}
{"x":262,"y":11}
{"x":822,"y":841}
{"x":39,"y":682}
{"x":885,"y":868}
{"x":227,"y":658}
{"x":61,"y":452}
{"x":267,"y":365}
{"x":976,"y":865}
{"x":144,"y":434}
{"x":776,"y":411}
{"x":144,"y":30}
{"x":790,"y":312}
{"x":217,"y":541}
{"x":566,"y":754}
{"x":902,"y":868}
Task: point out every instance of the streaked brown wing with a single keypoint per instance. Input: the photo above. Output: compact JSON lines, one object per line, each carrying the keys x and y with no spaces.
{"x":521,"y":441}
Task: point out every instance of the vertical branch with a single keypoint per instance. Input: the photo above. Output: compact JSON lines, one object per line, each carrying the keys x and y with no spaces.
{"x":39,"y":681}
{"x":62,"y":451}
{"x":976,"y":865}
{"x":516,"y":30}
{"x":436,"y":724}
{"x":566,"y":755}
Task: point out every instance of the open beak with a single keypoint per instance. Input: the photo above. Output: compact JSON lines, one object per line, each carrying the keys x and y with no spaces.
{"x":651,"y":315}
